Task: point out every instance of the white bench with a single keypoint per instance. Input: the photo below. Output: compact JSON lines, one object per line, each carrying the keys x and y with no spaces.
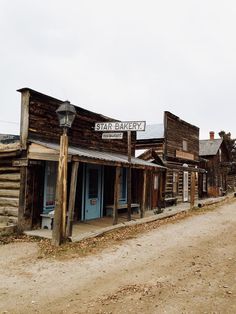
{"x":47,"y":220}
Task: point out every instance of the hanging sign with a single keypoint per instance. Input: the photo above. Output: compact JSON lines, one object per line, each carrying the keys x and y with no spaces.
{"x":112,"y":136}
{"x":120,"y":126}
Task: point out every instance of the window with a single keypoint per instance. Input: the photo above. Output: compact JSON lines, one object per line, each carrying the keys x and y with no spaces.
{"x":93,"y":183}
{"x":155,"y":183}
{"x":50,"y":186}
{"x":185,"y":145}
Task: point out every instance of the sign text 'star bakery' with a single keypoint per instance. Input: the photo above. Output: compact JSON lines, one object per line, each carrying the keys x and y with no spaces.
{"x":120,"y":126}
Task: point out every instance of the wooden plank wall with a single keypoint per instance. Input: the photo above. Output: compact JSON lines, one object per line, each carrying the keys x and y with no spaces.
{"x":178,"y":130}
{"x":9,"y":189}
{"x":157,"y":146}
{"x":44,"y":126}
{"x":169,"y":183}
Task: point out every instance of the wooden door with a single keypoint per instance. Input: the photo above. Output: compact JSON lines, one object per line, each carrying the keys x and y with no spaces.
{"x":93,"y":192}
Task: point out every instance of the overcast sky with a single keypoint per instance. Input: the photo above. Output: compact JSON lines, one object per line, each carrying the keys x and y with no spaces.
{"x":128,"y":59}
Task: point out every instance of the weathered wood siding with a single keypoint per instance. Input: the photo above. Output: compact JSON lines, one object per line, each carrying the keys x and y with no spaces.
{"x":218,"y":180}
{"x":157,"y":146}
{"x":177,"y":130}
{"x":44,"y":125}
{"x":9,"y":189}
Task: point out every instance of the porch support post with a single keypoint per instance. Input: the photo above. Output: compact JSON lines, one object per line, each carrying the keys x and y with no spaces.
{"x":129,"y":177}
{"x":192,"y":190}
{"x":142,"y":211}
{"x":116,"y":195}
{"x":71,"y":207}
{"x":57,"y":233}
{"x":64,"y":195}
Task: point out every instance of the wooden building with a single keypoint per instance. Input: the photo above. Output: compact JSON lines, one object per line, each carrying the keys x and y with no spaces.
{"x":97,"y":168}
{"x":176,"y":144}
{"x":9,"y":178}
{"x":215,"y":158}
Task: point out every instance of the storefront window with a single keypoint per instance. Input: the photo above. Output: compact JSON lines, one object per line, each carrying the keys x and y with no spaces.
{"x":50,"y":186}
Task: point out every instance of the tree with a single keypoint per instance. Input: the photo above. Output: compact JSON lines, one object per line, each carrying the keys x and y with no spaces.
{"x":230,"y":143}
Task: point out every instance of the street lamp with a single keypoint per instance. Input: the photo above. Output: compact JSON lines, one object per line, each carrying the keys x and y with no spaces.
{"x":66,"y":114}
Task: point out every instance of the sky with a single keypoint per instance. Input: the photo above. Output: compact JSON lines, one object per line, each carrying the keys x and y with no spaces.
{"x":126,"y":59}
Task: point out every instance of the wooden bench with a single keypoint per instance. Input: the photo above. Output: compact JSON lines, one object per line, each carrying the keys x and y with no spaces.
{"x":109,"y":208}
{"x":170,"y":201}
{"x":167,"y":200}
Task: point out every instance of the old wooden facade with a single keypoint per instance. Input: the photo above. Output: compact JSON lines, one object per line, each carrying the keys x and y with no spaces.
{"x":215,"y":158}
{"x":9,"y":178}
{"x":176,"y":144}
{"x":97,"y":168}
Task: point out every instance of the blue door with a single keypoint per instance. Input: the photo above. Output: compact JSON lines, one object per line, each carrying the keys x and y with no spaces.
{"x":93,"y":188}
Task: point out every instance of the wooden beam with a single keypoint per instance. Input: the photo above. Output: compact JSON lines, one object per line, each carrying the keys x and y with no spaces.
{"x":57,"y":224}
{"x":129,"y":201}
{"x":10,"y":176}
{"x":142,"y":211}
{"x":64,"y":196}
{"x":71,"y":207}
{"x":23,"y":162}
{"x":192,"y":191}
{"x":116,"y":195}
{"x":10,"y":185}
{"x":24,"y":123}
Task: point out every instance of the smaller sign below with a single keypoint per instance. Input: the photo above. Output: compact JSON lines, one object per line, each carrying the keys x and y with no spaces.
{"x":112,"y":136}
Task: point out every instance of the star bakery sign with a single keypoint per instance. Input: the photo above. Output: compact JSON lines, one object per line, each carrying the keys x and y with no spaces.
{"x":120,"y":126}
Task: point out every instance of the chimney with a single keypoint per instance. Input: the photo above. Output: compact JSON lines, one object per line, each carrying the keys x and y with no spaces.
{"x":212,"y":135}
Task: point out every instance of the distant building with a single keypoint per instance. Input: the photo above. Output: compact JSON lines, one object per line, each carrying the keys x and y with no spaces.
{"x":175,"y":143}
{"x":216,"y":160}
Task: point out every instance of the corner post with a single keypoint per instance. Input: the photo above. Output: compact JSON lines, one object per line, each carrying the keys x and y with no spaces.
{"x":142,"y":211}
{"x":57,"y":233}
{"x":129,"y":176}
{"x":71,"y":207}
{"x":116,"y":196}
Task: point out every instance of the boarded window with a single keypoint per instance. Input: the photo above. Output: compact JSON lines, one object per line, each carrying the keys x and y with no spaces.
{"x":185,"y":145}
{"x":155,"y":183}
{"x":175,"y":183}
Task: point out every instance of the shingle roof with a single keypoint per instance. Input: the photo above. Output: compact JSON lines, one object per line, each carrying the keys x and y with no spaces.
{"x":153,"y":131}
{"x":209,"y":147}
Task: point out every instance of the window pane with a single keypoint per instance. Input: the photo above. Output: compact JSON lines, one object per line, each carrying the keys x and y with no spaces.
{"x":93,"y":183}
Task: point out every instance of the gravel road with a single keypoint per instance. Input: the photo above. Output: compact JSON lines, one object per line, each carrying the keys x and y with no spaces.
{"x":184,"y":267}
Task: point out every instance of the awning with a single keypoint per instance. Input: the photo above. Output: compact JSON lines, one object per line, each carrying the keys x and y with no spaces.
{"x":48,"y":151}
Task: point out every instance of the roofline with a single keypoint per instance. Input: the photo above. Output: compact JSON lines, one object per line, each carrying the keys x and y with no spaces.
{"x":24,"y":89}
{"x":170,"y":114}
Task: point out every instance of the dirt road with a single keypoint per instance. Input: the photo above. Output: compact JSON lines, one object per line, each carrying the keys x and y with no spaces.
{"x":185,"y":267}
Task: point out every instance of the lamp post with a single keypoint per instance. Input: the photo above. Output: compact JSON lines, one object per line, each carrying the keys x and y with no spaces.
{"x":66,"y":115}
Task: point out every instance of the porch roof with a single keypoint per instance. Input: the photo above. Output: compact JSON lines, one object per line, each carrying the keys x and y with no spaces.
{"x":87,"y":155}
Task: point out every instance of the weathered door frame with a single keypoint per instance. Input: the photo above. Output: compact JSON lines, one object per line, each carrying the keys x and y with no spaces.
{"x":86,"y":167}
